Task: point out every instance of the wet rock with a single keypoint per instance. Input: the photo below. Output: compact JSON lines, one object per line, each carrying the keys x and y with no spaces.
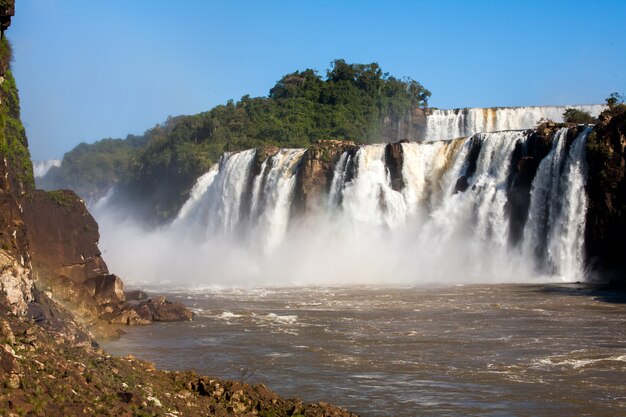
{"x":160,"y":309}
{"x":129,"y":317}
{"x":136,"y":295}
{"x":106,"y":289}
{"x":315,"y":175}
{"x":104,"y":330}
{"x":394,"y":159}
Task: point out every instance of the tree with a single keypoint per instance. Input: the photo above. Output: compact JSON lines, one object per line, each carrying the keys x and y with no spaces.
{"x":614,"y":101}
{"x":572,"y":115}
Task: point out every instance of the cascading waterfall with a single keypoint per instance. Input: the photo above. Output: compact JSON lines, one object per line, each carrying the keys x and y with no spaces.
{"x":456,"y":123}
{"x":454,"y":194}
{"x":439,"y":211}
{"x":227,"y":200}
{"x":271,"y":201}
{"x":554,"y":233}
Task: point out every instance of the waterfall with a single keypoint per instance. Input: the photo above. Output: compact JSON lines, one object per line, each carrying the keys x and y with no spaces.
{"x":438,"y":211}
{"x":272,"y":200}
{"x":41,"y":168}
{"x":228,"y":201}
{"x":456,"y":123}
{"x":554,"y":232}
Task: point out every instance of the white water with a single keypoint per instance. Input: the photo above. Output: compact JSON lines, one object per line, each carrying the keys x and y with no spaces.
{"x":238,"y":226}
{"x":41,"y":168}
{"x":456,"y":123}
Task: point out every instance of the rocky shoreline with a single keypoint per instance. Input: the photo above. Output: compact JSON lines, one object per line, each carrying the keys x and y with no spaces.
{"x":44,"y":375}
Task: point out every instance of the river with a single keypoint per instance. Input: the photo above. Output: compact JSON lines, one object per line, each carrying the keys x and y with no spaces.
{"x":484,"y":350}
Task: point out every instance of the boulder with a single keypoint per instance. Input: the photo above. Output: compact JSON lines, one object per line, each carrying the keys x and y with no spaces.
{"x":106,"y":289}
{"x":136,"y":295}
{"x":160,"y":309}
{"x":71,"y":295}
{"x":129,"y":317}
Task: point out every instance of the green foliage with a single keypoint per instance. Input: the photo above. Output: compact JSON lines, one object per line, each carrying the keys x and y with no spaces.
{"x":64,"y":199}
{"x":92,"y":169}
{"x":577,"y":116}
{"x":13,"y":142}
{"x":615,"y":103}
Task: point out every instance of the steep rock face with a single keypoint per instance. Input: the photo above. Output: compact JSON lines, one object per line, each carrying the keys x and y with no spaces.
{"x":63,"y":236}
{"x":394,"y":159}
{"x":606,"y":187}
{"x":16,"y":178}
{"x":316,"y":172}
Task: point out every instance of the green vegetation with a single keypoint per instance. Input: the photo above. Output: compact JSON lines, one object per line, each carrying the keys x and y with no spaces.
{"x":92,"y":169}
{"x":13,"y":142}
{"x":572,"y":115}
{"x":352,"y":102}
{"x":62,"y":198}
{"x":616,"y":105}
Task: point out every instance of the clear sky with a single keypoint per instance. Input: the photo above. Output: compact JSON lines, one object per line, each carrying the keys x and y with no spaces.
{"x":89,"y":69}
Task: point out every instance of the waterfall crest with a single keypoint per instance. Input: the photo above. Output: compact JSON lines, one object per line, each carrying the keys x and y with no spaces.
{"x":456,"y":123}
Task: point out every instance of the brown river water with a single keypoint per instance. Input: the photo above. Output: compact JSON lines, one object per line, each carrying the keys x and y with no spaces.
{"x":479,"y":350}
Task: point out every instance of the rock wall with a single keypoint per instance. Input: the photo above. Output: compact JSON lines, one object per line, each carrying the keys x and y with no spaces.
{"x":606,"y":187}
{"x":316,"y":172}
{"x":63,"y":236}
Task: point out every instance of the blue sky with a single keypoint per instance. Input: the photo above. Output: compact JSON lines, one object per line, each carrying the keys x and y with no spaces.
{"x":93,"y":69}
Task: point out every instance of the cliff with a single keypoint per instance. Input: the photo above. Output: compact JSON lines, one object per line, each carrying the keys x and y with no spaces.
{"x":606,"y":188}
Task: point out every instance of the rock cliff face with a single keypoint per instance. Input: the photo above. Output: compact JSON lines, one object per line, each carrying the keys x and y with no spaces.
{"x":316,"y":172}
{"x":63,"y":236}
{"x":606,"y":188}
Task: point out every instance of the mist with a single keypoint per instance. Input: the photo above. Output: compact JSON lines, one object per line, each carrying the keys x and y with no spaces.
{"x":315,"y":251}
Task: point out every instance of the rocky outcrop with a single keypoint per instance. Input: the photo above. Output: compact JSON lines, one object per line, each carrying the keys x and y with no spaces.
{"x":160,"y":309}
{"x":63,"y":236}
{"x":68,"y":266}
{"x":106,"y":289}
{"x":606,"y":188}
{"x":16,"y":284}
{"x":146,"y":312}
{"x":394,"y":159}
{"x":316,"y":172}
